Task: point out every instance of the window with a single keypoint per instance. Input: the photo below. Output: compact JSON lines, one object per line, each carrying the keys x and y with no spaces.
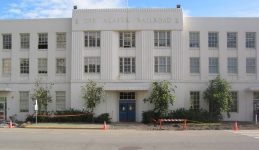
{"x":234,"y":105}
{"x":127,"y":39}
{"x":92,"y":39}
{"x":256,"y":96}
{"x":25,"y":40}
{"x":251,"y":65}
{"x":194,"y":65}
{"x":6,"y":66}
{"x":61,"y":40}
{"x":127,"y":95}
{"x":24,"y":101}
{"x":24,"y":66}
{"x":92,"y":65}
{"x":250,"y":40}
{"x":162,"y":39}
{"x":61,"y":66}
{"x":60,"y":100}
{"x":42,"y":66}
{"x":43,"y":41}
{"x":162,"y":64}
{"x":127,"y":65}
{"x":213,"y":40}
{"x":194,"y":39}
{"x":7,"y":41}
{"x":232,"y":65}
{"x":232,"y":40}
{"x":195,"y":100}
{"x":213,"y":65}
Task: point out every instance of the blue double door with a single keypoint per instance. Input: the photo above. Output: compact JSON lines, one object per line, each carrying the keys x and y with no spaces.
{"x":127,"y":110}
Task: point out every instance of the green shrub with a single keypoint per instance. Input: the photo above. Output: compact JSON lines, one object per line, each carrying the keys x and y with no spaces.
{"x":102,"y":117}
{"x":50,"y":117}
{"x":149,"y":116}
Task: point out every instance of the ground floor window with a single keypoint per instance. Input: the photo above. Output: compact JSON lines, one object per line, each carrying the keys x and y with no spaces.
{"x":24,"y":101}
{"x":234,"y":105}
{"x":195,"y":100}
{"x":60,"y":100}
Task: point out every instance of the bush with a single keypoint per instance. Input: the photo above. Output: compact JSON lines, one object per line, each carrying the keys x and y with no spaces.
{"x":50,"y":117}
{"x":181,"y":113}
{"x":102,"y":117}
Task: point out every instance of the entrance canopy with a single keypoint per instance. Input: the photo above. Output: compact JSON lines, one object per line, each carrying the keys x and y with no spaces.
{"x":127,"y":86}
{"x":5,"y":89}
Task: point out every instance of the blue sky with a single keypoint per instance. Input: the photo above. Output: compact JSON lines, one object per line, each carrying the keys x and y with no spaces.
{"x":12,"y":9}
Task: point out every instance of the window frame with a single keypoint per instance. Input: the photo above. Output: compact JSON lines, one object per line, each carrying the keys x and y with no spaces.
{"x":24,"y":101}
{"x":92,"y":39}
{"x":92,"y":65}
{"x":127,"y":65}
{"x":195,"y":100}
{"x":24,"y":40}
{"x":60,"y":69}
{"x":195,"y":66}
{"x":166,"y":40}
{"x":249,"y":65}
{"x":232,"y":65}
{"x":235,"y":102}
{"x":127,"y":37}
{"x":60,"y":100}
{"x":213,"y":42}
{"x":194,"y":43}
{"x":232,"y":42}
{"x":42,"y":66}
{"x":42,"y":41}
{"x":24,"y":68}
{"x":7,"y":41}
{"x":166,"y":65}
{"x":61,"y":40}
{"x":250,"y":41}
{"x":215,"y":66}
{"x":6,"y":68}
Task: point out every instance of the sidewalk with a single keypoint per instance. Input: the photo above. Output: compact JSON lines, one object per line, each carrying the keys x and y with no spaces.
{"x":62,"y":126}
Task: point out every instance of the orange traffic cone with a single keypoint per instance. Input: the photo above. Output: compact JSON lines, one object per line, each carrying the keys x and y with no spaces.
{"x":10,"y":124}
{"x":185,"y":125}
{"x":235,"y":126}
{"x":105,"y":126}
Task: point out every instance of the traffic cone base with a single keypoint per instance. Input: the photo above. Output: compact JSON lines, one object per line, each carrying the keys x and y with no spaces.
{"x":105,"y":127}
{"x":235,"y":126}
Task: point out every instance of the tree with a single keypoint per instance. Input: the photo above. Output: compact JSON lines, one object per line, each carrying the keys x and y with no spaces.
{"x":162,"y":95}
{"x":218,"y":96}
{"x":92,"y":95}
{"x":42,"y":95}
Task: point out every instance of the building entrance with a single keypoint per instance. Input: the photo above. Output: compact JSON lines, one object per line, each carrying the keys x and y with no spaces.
{"x":127,"y":107}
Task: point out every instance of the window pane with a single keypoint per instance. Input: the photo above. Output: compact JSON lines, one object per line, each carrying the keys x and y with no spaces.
{"x":213,"y":65}
{"x":232,"y":40}
{"x":92,"y":39}
{"x":92,"y":65}
{"x":194,"y":65}
{"x":6,"y":66}
{"x":25,"y":40}
{"x":43,"y":41}
{"x":232,"y":65}
{"x":7,"y":41}
{"x":194,"y":39}
{"x":251,"y":65}
{"x":234,"y":105}
{"x":250,"y":40}
{"x":42,"y":66}
{"x":213,"y":40}
{"x":162,"y":38}
{"x":24,"y":66}
{"x":61,"y":40}
{"x":61,"y":66}
{"x":60,"y":100}
{"x":24,"y":101}
{"x":195,"y":100}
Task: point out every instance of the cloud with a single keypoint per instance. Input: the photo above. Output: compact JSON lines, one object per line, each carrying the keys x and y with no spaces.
{"x":54,"y":8}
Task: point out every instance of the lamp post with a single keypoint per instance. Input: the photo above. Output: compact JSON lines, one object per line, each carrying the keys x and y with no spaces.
{"x":36,"y":109}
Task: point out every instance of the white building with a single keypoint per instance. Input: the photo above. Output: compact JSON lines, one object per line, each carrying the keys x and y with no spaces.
{"x":125,"y":50}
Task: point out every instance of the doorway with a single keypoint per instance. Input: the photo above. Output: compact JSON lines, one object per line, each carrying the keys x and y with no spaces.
{"x":127,"y":107}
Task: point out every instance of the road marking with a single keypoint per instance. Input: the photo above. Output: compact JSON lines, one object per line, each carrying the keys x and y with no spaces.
{"x":249,"y":133}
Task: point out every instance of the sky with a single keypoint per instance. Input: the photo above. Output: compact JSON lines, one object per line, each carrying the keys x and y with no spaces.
{"x":26,"y":9}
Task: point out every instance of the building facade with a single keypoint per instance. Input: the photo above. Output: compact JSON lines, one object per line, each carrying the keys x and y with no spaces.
{"x":125,"y":50}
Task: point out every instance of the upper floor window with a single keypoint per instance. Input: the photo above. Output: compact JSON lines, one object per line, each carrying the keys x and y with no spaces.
{"x":61,"y":66}
{"x":232,"y":65}
{"x":42,"y":66}
{"x":127,"y":65}
{"x":60,"y":100}
{"x":43,"y":41}
{"x":6,"y":66}
{"x":24,"y":101}
{"x":92,"y":65}
{"x":24,"y":66}
{"x":7,"y":41}
{"x":92,"y":39}
{"x":250,"y":40}
{"x":213,"y":65}
{"x":213,"y":39}
{"x":61,"y":40}
{"x":195,"y":100}
{"x":194,"y":39}
{"x":25,"y":40}
{"x":162,"y":38}
{"x":194,"y":65}
{"x":234,"y":106}
{"x":162,"y":64}
{"x":127,"y":39}
{"x":251,"y":65}
{"x":231,"y":40}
